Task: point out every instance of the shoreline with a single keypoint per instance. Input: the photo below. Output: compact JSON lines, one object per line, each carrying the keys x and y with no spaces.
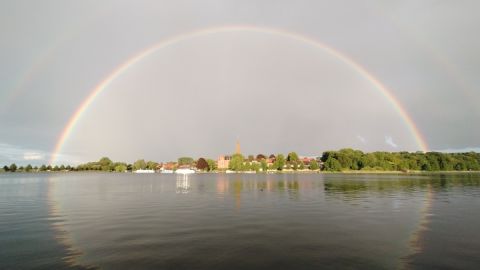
{"x":268,"y":172}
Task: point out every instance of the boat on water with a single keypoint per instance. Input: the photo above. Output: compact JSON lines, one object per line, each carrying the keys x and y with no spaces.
{"x":144,"y":171}
{"x":166,"y":171}
{"x":184,"y":171}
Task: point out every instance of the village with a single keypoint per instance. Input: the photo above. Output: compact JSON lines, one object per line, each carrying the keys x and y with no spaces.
{"x":239,"y":163}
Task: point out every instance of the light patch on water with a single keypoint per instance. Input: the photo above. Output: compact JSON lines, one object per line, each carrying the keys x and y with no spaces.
{"x":62,"y":234}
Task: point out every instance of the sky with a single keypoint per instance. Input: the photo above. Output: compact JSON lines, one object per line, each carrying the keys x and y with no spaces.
{"x":278,"y":76}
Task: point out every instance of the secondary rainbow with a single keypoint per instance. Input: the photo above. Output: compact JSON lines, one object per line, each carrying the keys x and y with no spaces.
{"x":69,"y":127}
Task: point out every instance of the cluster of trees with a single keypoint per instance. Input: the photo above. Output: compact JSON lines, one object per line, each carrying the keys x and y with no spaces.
{"x":106,"y":165}
{"x":238,"y":163}
{"x":291,"y":162}
{"x":29,"y":168}
{"x":185,"y":161}
{"x":206,"y":164}
{"x":349,"y":159}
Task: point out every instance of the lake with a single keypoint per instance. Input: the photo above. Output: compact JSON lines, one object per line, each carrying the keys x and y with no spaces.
{"x":239,"y":221}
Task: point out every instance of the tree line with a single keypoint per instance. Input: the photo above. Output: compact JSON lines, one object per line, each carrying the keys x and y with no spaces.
{"x":292,"y":162}
{"x":356,"y":160}
{"x":104,"y":164}
{"x":334,"y":161}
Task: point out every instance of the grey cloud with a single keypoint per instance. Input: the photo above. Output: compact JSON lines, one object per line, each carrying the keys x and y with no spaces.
{"x":53,"y":53}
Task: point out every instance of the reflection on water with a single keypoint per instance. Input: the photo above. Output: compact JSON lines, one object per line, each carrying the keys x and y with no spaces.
{"x":249,"y":221}
{"x":423,"y":224}
{"x":61,"y":234}
{"x":183,"y":185}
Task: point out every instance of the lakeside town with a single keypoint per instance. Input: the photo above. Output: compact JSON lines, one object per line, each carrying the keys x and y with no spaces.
{"x":344,"y":160}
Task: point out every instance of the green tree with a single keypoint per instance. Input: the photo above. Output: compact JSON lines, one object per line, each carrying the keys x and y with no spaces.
{"x":255,"y":166}
{"x":263,"y":165}
{"x":13,"y":167}
{"x":433,"y":161}
{"x":280,"y":162}
{"x":212,"y":165}
{"x":302,"y":166}
{"x":43,"y":168}
{"x":139,"y":165}
{"x":105,"y":164}
{"x":459,"y":166}
{"x":185,"y":161}
{"x":28,"y":168}
{"x":332,"y":165}
{"x":236,"y":162}
{"x":247,"y":166}
{"x":120,"y":167}
{"x":314,"y":165}
{"x":292,"y":156}
{"x":152,"y":165}
{"x":293,"y":160}
{"x":6,"y":168}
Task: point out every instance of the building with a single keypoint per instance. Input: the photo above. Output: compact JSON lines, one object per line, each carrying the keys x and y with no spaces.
{"x":237,"y":148}
{"x":169,"y":166}
{"x":271,"y":159}
{"x":306,"y":160}
{"x":223,"y":162}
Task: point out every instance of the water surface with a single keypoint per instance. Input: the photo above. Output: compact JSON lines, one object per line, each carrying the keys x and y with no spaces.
{"x":239,"y":221}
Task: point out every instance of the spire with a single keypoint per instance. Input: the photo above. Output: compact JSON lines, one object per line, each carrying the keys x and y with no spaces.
{"x":237,"y":148}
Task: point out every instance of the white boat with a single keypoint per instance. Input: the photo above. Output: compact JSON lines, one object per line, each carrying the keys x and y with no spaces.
{"x":184,"y":171}
{"x":144,"y":171}
{"x":166,"y":171}
{"x":229,"y":171}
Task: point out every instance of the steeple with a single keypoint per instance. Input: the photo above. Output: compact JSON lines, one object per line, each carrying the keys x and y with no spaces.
{"x":237,"y":148}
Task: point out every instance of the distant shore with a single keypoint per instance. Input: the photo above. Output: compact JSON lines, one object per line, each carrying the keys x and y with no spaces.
{"x":260,"y":172}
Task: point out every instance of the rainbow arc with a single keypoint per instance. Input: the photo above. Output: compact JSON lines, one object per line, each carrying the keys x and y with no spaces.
{"x":172,"y":41}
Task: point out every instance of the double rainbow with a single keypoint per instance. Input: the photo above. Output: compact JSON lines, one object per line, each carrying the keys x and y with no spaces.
{"x":118,"y":71}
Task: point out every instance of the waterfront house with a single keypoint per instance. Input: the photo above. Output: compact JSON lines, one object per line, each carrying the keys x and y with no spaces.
{"x":169,"y":166}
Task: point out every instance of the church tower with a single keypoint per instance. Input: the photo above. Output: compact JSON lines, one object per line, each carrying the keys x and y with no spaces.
{"x":237,"y":148}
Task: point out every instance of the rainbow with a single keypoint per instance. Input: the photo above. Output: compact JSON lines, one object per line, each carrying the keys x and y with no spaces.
{"x":69,"y":127}
{"x":415,"y":245}
{"x":422,"y":227}
{"x":40,"y":61}
{"x":430,"y":49}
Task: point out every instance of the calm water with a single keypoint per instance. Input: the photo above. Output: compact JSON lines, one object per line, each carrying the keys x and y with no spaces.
{"x":215,"y":221}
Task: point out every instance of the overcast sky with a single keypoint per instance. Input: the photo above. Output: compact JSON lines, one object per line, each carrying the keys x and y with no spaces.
{"x":273,"y":93}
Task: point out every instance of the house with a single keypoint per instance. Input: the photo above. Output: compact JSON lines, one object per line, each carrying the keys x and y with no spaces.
{"x":271,"y":159}
{"x":306,"y":160}
{"x":169,"y":165}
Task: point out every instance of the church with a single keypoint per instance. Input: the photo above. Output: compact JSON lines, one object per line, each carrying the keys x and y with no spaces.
{"x":224,"y":161}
